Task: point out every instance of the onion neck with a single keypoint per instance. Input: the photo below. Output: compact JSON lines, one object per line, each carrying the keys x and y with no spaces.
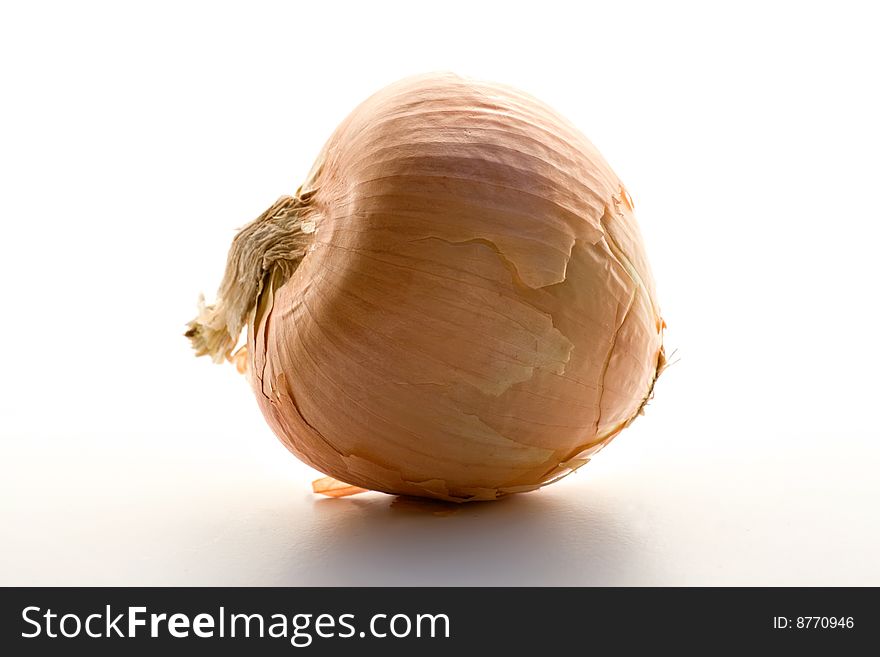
{"x":276,"y":241}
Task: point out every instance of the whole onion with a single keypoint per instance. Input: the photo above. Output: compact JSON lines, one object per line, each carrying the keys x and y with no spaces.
{"x":455,"y":304}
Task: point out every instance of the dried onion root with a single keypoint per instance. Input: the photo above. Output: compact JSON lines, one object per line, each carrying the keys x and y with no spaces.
{"x":456,"y":303}
{"x":334,"y":488}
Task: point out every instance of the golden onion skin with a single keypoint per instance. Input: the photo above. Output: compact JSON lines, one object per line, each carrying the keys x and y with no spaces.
{"x":473,"y":315}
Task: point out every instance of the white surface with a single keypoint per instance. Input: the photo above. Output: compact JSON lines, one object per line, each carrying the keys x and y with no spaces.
{"x":134,"y":142}
{"x":137,"y":513}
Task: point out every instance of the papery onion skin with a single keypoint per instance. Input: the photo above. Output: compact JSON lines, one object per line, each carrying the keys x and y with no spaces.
{"x":464,"y":309}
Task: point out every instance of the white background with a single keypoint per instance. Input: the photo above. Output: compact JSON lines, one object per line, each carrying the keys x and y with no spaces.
{"x":135,"y":139}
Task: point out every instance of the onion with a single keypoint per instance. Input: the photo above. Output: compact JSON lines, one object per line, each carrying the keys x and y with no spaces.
{"x":456,"y":303}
